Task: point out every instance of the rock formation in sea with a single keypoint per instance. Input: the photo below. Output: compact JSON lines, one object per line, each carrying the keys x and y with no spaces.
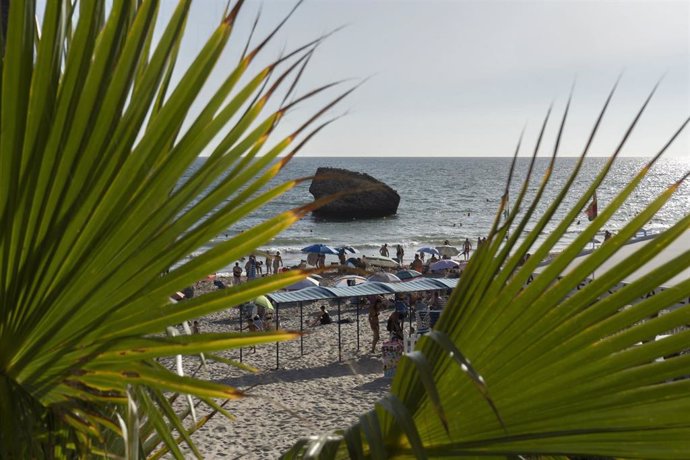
{"x":362,"y":195}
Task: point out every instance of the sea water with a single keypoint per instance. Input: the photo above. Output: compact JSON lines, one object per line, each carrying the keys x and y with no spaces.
{"x":457,"y":198}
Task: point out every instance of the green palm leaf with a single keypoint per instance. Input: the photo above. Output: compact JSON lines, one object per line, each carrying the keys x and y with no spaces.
{"x":92,"y":153}
{"x":562,"y":365}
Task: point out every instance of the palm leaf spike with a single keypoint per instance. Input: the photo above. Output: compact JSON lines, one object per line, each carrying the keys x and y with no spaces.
{"x":521,"y":277}
{"x":139,"y":321}
{"x":159,"y":430}
{"x":268,"y":157}
{"x":43,"y":272}
{"x":564,"y":258}
{"x":211,"y":165}
{"x":223,"y":155}
{"x":44,"y":84}
{"x":254,"y":141}
{"x":557,"y":337}
{"x":17,"y":71}
{"x":87,"y":108}
{"x":504,"y":208}
{"x":561,"y":289}
{"x":505,"y":260}
{"x":175,"y":423}
{"x":483,"y":272}
{"x":112,"y":104}
{"x":424,"y":371}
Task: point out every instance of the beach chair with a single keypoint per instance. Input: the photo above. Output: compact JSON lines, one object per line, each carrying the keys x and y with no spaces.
{"x":423,"y":321}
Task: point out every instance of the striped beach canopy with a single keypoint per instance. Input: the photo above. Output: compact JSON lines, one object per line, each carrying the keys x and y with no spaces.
{"x":362,"y":290}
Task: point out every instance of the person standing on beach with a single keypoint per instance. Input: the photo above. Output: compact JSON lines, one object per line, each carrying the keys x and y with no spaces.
{"x":466,"y":248}
{"x":236,"y":274}
{"x":417,"y":264}
{"x":374,"y":323}
{"x":384,"y":250}
{"x":269,"y":263}
{"x":250,"y":268}
{"x":400,"y":253}
{"x":277,"y":262}
{"x":395,"y":325}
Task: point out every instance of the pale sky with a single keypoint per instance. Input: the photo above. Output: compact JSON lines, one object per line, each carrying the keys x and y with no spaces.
{"x":462,"y":78}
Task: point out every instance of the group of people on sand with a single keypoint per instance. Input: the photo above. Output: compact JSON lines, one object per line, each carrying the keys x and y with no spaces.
{"x":399,"y":252}
{"x":418,"y":262}
{"x":254,"y":268}
{"x":402,"y":307}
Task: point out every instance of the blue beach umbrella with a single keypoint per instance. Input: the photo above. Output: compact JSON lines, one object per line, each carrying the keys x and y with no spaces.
{"x":319,"y":249}
{"x":429,"y":250}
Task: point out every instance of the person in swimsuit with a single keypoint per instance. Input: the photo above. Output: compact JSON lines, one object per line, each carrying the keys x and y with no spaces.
{"x":374,"y":311}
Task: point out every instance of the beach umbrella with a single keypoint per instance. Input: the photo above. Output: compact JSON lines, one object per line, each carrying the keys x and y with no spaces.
{"x":429,"y":250}
{"x":305,"y":283}
{"x":384,"y":277}
{"x":349,"y":249}
{"x":262,"y":301}
{"x":446,"y":250}
{"x":349,"y":280}
{"x":405,"y":275}
{"x":319,"y":249}
{"x":380,"y":261}
{"x":444,"y":264}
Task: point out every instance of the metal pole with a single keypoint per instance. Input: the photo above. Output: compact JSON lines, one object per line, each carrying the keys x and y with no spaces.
{"x":340,"y":355}
{"x":277,"y":343}
{"x":409,"y":311}
{"x":358,"y":304}
{"x":301,"y":330}
{"x":240,"y":310}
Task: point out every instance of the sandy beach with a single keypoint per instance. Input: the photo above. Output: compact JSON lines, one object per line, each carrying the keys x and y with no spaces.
{"x":308,"y":394}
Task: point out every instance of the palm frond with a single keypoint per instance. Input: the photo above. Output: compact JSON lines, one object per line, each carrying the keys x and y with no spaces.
{"x":93,"y":149}
{"x":565,"y":365}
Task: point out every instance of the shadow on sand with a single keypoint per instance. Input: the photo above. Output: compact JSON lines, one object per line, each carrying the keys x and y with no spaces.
{"x":361,"y":366}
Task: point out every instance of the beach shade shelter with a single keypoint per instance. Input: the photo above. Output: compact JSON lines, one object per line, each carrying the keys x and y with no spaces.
{"x":381,"y":261}
{"x":319,"y":249}
{"x":445,"y":264}
{"x":384,"y":277}
{"x":406,"y":275}
{"x":429,"y":250}
{"x":449,"y":251}
{"x":305,"y":283}
{"x":349,"y":280}
{"x":341,"y":293}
